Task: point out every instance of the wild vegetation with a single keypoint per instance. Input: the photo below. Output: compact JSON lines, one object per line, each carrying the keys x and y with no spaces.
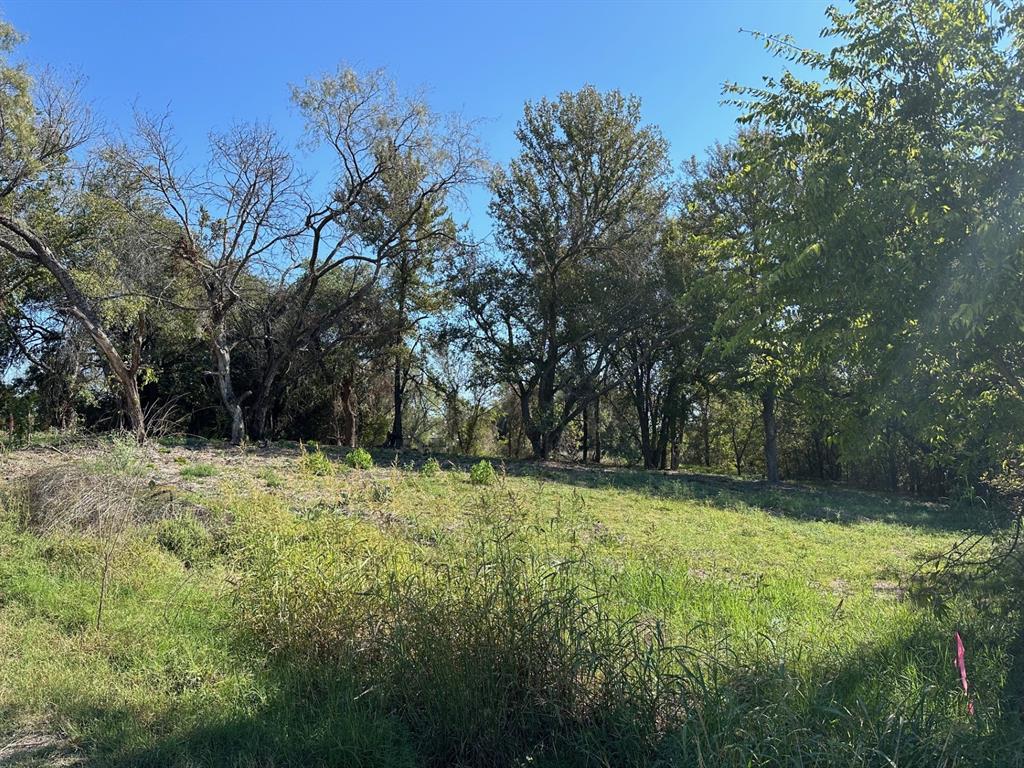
{"x":717,"y":465}
{"x":832,"y":293}
{"x":559,"y":616}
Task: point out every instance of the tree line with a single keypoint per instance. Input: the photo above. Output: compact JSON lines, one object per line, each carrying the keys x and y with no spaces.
{"x":836,"y":291}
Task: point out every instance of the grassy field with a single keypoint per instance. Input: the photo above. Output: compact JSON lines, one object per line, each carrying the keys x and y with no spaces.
{"x":191,"y":605}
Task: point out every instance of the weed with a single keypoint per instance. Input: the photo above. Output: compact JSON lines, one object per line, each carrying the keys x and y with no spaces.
{"x":382,"y":492}
{"x":482,"y":473}
{"x":359,"y":458}
{"x":272,"y":478}
{"x":184,"y":537}
{"x":315,"y":463}
{"x":198,"y":471}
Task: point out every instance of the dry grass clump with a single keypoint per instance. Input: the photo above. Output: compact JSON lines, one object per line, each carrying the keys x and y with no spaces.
{"x":76,"y":498}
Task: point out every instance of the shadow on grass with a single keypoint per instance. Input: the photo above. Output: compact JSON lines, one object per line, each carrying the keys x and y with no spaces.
{"x":306,"y":719}
{"x":800,"y":501}
{"x":754,"y":713}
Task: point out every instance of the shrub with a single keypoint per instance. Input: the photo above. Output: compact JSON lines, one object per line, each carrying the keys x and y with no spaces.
{"x":271,"y":478}
{"x":123,"y":457}
{"x":359,"y":458}
{"x":315,"y":462}
{"x":482,"y":473}
{"x":431,"y":468}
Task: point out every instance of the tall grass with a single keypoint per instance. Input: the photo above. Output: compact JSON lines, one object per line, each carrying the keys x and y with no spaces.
{"x":517,"y":634}
{"x":491,"y":652}
{"x":510,"y":645}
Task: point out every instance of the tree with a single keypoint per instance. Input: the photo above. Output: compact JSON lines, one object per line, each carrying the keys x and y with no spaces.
{"x":910,"y":289}
{"x":53,"y":216}
{"x":395,"y":160}
{"x":464,"y":388}
{"x":661,"y":358}
{"x":586,"y":193}
{"x":737,"y":208}
{"x":414,"y":295}
{"x":234,"y":218}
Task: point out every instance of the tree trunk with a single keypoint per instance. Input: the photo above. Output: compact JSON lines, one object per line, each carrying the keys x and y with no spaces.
{"x":705,"y":428}
{"x":771,"y":437}
{"x":666,"y":428}
{"x":645,"y":444}
{"x":85,"y":312}
{"x":265,"y":398}
{"x":346,"y":412}
{"x":133,"y":405}
{"x":586,"y":434}
{"x":661,"y":448}
{"x":222,"y":359}
{"x":597,"y":429}
{"x":532,"y":432}
{"x":540,"y":435}
{"x":396,"y":439}
{"x":260,"y":419}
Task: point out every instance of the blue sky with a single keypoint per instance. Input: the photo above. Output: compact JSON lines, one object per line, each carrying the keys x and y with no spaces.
{"x":213,"y":64}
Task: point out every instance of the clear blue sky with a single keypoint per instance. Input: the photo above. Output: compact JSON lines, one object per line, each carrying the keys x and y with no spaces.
{"x":216,"y":63}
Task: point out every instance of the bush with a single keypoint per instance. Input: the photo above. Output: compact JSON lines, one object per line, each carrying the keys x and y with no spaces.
{"x":431,"y":468}
{"x":482,"y":473}
{"x":272,"y":478}
{"x":315,"y":462}
{"x":382,"y":493}
{"x":125,"y":456}
{"x":359,"y":458}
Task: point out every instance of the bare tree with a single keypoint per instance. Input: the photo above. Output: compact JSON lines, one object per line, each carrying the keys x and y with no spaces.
{"x":233,"y":219}
{"x":394,"y":160}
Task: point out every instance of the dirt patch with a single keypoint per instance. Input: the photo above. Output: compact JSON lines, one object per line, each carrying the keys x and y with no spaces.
{"x":39,"y":748}
{"x":889,"y":589}
{"x":840,"y":587}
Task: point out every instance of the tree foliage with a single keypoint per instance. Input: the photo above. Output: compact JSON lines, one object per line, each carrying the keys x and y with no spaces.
{"x":835,"y":291}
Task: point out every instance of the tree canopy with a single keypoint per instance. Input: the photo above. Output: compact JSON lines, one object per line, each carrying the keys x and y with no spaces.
{"x":841,"y":282}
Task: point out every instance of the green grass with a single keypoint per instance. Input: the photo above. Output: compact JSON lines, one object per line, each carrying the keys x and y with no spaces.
{"x":198,"y":470}
{"x":557,"y":617}
{"x":272,"y":478}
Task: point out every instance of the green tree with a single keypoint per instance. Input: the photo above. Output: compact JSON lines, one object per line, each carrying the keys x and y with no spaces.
{"x":584,"y":196}
{"x":909,"y":134}
{"x":737,"y":207}
{"x":43,"y":124}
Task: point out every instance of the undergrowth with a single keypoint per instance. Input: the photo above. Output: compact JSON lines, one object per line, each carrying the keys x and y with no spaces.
{"x":521,"y":633}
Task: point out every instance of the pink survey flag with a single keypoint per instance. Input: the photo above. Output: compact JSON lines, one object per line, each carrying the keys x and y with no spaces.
{"x":962,"y":666}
